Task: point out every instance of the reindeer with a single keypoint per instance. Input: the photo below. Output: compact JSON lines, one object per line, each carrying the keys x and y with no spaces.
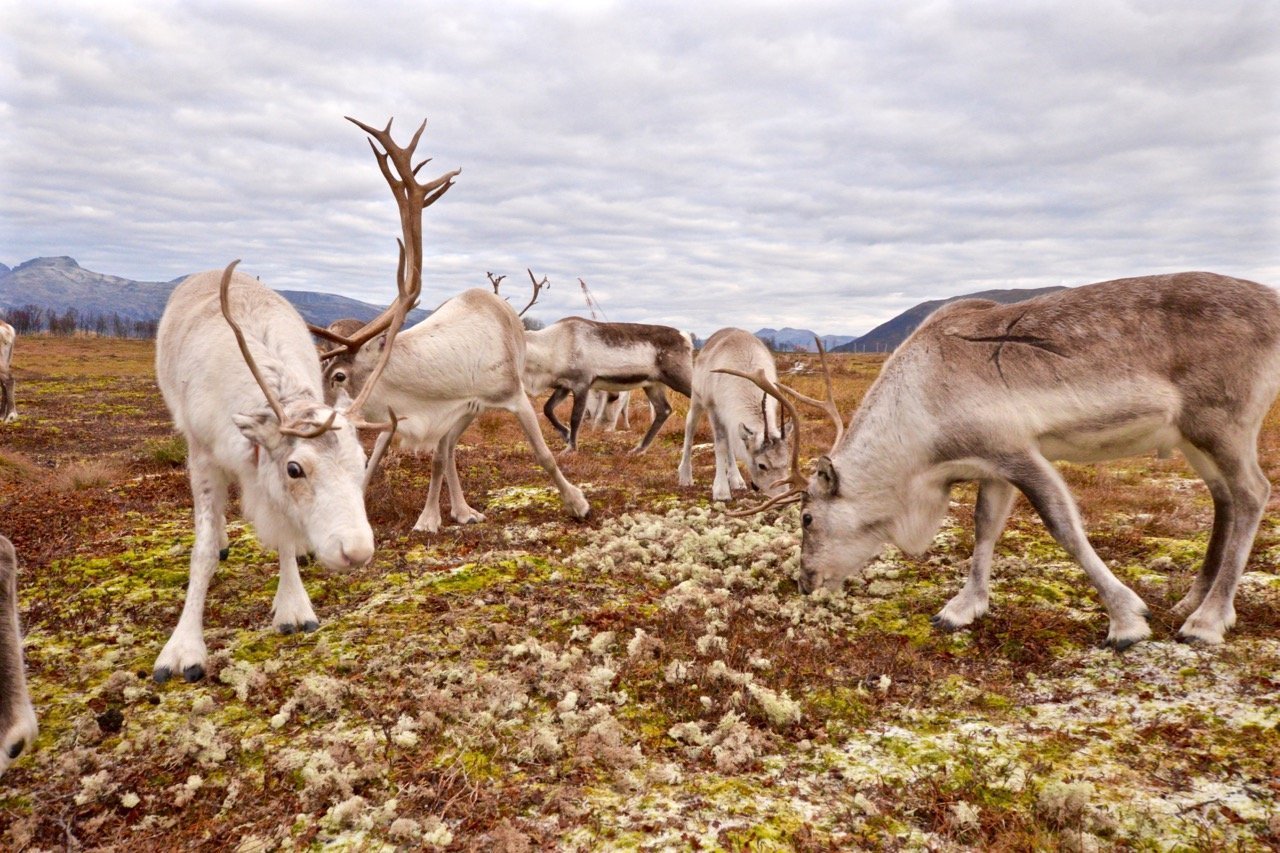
{"x":466,"y":357}
{"x":744,"y":424}
{"x":8,"y":406}
{"x":575,"y":355}
{"x":298,"y":462}
{"x":17,"y":717}
{"x":992,"y":393}
{"x":605,"y":408}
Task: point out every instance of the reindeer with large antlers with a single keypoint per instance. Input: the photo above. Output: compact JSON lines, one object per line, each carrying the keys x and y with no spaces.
{"x":239,"y":373}
{"x":744,"y":424}
{"x":993,"y":393}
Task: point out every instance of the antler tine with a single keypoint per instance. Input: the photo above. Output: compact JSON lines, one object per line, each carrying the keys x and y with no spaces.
{"x":793,"y":496}
{"x":224,"y":298}
{"x":496,"y":281}
{"x":537,"y":288}
{"x":829,"y":405}
{"x":411,"y":197}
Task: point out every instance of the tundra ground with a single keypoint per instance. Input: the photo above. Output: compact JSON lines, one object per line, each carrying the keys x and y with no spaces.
{"x":649,"y":678}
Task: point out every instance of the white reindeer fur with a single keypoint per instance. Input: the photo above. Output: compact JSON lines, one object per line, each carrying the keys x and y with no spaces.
{"x":605,"y":413}
{"x":992,"y":393}
{"x":233,"y":436}
{"x":8,"y":406}
{"x":18,"y":727}
{"x":732,"y":405}
{"x":466,"y":357}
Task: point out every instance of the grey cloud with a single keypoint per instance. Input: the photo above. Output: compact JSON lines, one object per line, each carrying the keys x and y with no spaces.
{"x":804,"y":164}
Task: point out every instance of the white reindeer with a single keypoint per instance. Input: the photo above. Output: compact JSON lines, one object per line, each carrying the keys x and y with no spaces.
{"x":8,"y":406}
{"x":744,"y":423}
{"x":466,"y":357}
{"x":992,"y":393}
{"x":17,"y":717}
{"x":240,"y":375}
{"x":605,"y":408}
{"x":575,"y":355}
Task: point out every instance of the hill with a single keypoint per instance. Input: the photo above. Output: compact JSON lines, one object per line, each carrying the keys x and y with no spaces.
{"x":799,"y":339}
{"x":886,"y":336}
{"x":58,"y":284}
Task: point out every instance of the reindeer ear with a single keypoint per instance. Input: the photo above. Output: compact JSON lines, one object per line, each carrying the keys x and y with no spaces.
{"x":827,"y":478}
{"x":260,"y":427}
{"x":746,"y":434}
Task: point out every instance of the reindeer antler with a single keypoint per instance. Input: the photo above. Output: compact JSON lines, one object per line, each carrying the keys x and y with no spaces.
{"x":396,"y":164}
{"x":286,"y":428}
{"x":829,"y":405}
{"x":496,"y":281}
{"x":537,"y":288}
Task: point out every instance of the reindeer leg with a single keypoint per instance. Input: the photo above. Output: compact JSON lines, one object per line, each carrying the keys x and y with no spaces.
{"x":995,"y":500}
{"x":685,"y":471}
{"x":575,"y":417}
{"x":1237,"y":517}
{"x":18,"y":726}
{"x":721,"y":488}
{"x":657,"y":395}
{"x":549,"y":409}
{"x":429,"y":519}
{"x":185,"y":651}
{"x":1048,"y":493}
{"x":461,"y":511}
{"x":570,"y":494}
{"x":291,"y":610}
{"x":9,"y":407}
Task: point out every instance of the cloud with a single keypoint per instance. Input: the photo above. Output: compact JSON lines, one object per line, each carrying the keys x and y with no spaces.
{"x":807,"y":164}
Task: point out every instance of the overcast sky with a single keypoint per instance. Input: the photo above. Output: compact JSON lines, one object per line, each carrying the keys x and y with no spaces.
{"x":821,"y":165}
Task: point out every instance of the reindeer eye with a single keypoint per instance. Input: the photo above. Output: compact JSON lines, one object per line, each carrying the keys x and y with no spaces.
{"x":762,"y":466}
{"x":807,"y":519}
{"x":294,"y":470}
{"x":339,"y":377}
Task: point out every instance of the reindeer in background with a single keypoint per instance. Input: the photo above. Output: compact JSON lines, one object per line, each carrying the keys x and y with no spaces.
{"x":744,"y":423}
{"x":240,"y":375}
{"x":993,"y":393}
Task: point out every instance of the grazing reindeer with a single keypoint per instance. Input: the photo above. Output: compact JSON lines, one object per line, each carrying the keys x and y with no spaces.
{"x":17,"y":717}
{"x":466,"y":357}
{"x":238,"y":371}
{"x":744,"y":424}
{"x":605,"y":408}
{"x":8,"y":406}
{"x":992,"y":393}
{"x":576,"y":355}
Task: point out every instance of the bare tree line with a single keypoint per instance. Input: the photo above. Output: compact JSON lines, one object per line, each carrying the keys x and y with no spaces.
{"x":32,"y":319}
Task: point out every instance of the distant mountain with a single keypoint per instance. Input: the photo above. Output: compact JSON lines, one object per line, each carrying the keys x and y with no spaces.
{"x":886,"y":336}
{"x":800,"y":339}
{"x":61,"y":283}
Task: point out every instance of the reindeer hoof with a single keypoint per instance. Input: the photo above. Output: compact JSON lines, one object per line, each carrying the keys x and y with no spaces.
{"x":944,"y":624}
{"x":287,"y":628}
{"x":162,"y":674}
{"x":16,"y":749}
{"x":195,"y":672}
{"x":309,"y":626}
{"x":1118,"y":645}
{"x":224,"y":553}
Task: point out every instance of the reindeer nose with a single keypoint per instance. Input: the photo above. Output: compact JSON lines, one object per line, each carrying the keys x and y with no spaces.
{"x":357,"y":555}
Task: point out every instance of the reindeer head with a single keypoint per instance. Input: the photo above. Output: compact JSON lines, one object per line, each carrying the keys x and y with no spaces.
{"x":768,"y":455}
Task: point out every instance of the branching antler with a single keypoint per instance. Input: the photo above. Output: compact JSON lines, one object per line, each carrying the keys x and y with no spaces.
{"x":286,"y":427}
{"x":829,"y":405}
{"x":396,"y":164}
{"x":496,"y":281}
{"x":537,"y":288}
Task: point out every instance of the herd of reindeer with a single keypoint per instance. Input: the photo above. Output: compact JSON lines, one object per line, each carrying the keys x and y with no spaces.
{"x":979,"y":392}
